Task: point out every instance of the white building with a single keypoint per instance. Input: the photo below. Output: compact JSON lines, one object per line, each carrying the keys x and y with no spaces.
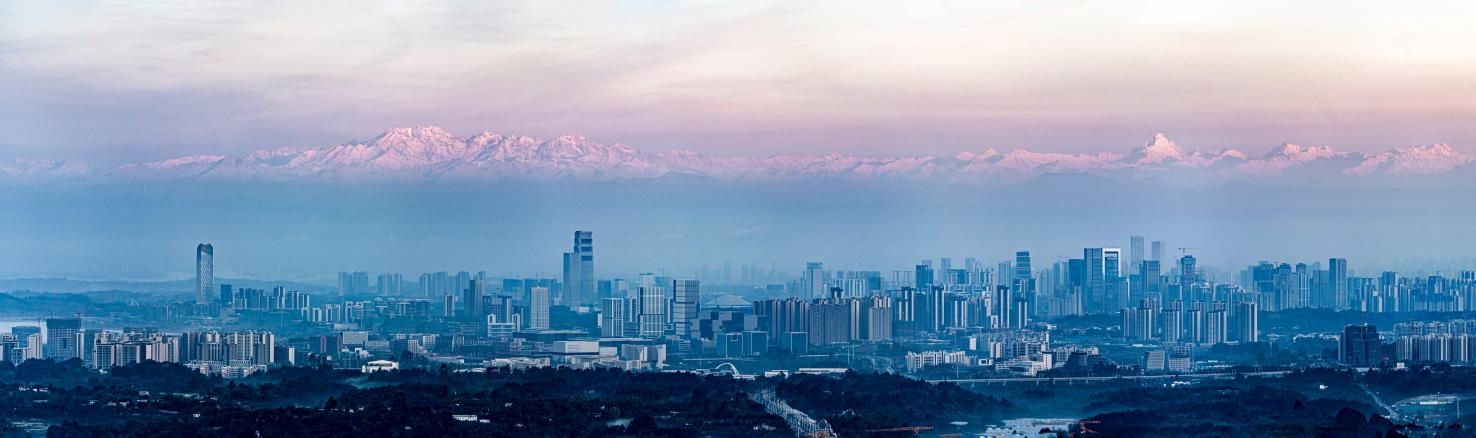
{"x":380,"y":365}
{"x":918,"y":361}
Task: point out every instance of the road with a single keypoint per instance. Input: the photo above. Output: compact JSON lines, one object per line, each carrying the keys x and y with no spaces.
{"x":1392,"y":414}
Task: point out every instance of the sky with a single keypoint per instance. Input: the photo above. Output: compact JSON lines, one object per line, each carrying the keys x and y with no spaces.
{"x":116,"y":82}
{"x":109,"y":83}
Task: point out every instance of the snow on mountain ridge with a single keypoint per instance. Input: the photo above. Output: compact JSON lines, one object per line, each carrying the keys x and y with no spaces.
{"x":429,"y":153}
{"x":1414,"y":160}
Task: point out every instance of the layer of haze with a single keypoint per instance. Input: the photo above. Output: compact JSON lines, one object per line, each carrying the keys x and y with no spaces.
{"x":299,"y":233}
{"x":133,"y":81}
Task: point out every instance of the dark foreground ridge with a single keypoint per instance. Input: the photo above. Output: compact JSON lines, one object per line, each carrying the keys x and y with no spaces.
{"x":154,"y":399}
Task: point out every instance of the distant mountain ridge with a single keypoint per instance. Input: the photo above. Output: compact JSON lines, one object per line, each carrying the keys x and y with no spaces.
{"x":428,"y":154}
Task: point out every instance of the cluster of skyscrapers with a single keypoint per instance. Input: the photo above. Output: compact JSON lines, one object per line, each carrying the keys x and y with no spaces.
{"x":65,"y":338}
{"x":1175,"y":302}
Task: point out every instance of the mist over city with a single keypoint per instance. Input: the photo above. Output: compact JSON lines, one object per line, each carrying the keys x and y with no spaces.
{"x":128,"y":223}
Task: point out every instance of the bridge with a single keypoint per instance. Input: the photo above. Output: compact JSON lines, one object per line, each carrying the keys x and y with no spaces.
{"x":802,"y":425}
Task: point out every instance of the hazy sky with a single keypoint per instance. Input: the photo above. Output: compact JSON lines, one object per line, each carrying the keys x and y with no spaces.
{"x":127,"y":81}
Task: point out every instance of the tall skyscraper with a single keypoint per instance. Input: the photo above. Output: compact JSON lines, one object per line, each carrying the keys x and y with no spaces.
{"x":579,"y":281}
{"x":1111,"y":263}
{"x":814,"y":280}
{"x":1022,"y":265}
{"x":1157,"y":253}
{"x":650,"y":310}
{"x":685,"y":305}
{"x":1337,"y":278}
{"x":1150,"y":277}
{"x":1024,"y":285}
{"x":204,"y":273}
{"x":923,"y":279}
{"x":1095,"y":287}
{"x":472,"y":301}
{"x":1135,"y":252}
{"x":1188,"y":272}
{"x":538,"y":303}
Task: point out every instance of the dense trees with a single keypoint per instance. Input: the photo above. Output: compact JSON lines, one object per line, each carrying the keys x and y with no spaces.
{"x":542,"y":402}
{"x":154,"y":399}
{"x":1221,"y":410}
{"x":856,"y":402}
{"x":1400,"y":384}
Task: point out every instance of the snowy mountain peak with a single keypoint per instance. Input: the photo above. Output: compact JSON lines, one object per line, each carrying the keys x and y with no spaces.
{"x":1157,"y":150}
{"x":401,"y":148}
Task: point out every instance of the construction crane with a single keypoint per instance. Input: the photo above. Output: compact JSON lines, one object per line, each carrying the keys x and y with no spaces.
{"x":916,"y":430}
{"x":1183,"y":250}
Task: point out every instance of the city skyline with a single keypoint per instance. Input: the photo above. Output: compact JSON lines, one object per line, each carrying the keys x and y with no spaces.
{"x":1024,"y":218}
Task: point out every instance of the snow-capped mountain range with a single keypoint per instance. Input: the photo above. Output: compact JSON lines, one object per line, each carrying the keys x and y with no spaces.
{"x":427,"y":154}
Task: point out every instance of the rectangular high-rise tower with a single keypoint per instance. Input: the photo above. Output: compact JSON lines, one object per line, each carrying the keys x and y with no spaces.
{"x":1337,"y":279}
{"x":1135,"y":252}
{"x":579,"y":281}
{"x":204,"y":273}
{"x":538,"y":303}
{"x":685,"y":305}
{"x":1247,"y":322}
{"x":1024,"y":282}
{"x":1022,"y":265}
{"x":814,"y":280}
{"x":612,"y":317}
{"x":473,"y":307}
{"x":1095,"y":284}
{"x":651,"y":312}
